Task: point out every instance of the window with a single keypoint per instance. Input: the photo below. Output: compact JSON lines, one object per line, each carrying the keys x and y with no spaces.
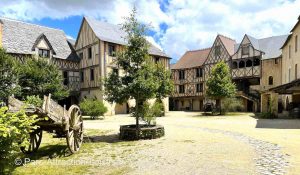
{"x":156,"y":60}
{"x":181,"y":89}
{"x":199,"y":72}
{"x":81,"y":55}
{"x":234,"y":65}
{"x":44,"y":53}
{"x":270,"y":80}
{"x":217,"y":51}
{"x":92,"y":76}
{"x":245,"y":50}
{"x":241,"y":64}
{"x":248,"y":63}
{"x":289,"y":78}
{"x":116,"y":71}
{"x":289,"y":51}
{"x":111,"y":50}
{"x":66,"y":79}
{"x":276,"y":60}
{"x":256,"y":61}
{"x":89,"y":52}
{"x":181,"y":74}
{"x":296,"y":43}
{"x":296,"y":71}
{"x":199,"y":87}
{"x":82,"y":76}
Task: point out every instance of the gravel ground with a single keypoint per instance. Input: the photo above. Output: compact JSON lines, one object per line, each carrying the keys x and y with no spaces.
{"x":200,"y":145}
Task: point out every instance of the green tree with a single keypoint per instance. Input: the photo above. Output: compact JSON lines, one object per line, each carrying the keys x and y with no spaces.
{"x":142,"y":79}
{"x":8,"y":78}
{"x":39,"y":77}
{"x":219,"y":84}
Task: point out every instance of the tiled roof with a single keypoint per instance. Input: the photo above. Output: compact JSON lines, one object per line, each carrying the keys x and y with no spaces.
{"x":114,"y":34}
{"x":271,"y":46}
{"x":194,"y":58}
{"x":228,"y":43}
{"x":19,"y":37}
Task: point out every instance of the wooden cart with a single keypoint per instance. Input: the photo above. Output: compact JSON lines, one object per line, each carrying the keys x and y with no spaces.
{"x":54,"y":119}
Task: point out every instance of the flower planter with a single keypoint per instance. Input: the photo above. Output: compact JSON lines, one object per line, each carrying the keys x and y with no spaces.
{"x":128,"y":132}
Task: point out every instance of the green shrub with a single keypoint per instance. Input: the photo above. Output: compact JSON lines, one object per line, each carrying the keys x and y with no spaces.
{"x":14,"y":133}
{"x":267,"y":115}
{"x":232,"y":105}
{"x":150,"y":113}
{"x":93,"y":108}
{"x":34,"y":100}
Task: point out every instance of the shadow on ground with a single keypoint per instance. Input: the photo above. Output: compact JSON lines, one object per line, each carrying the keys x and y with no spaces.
{"x":113,"y":138}
{"x":278,"y":123}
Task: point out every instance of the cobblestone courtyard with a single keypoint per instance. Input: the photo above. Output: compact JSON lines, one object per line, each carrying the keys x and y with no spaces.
{"x":194,"y":144}
{"x":211,"y":145}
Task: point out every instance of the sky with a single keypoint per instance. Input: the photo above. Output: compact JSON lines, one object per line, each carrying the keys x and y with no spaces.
{"x":176,"y":25}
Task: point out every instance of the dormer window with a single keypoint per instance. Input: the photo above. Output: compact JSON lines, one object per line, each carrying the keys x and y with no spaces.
{"x":245,"y":50}
{"x":43,"y":47}
{"x":44,"y":53}
{"x":112,"y":50}
{"x":217,"y":51}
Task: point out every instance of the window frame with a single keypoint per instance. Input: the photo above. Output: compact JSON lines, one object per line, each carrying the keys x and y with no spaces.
{"x":217,"y":51}
{"x":245,"y":50}
{"x":296,"y":43}
{"x":44,"y":51}
{"x":199,"y":72}
{"x":92,"y":74}
{"x":181,"y":89}
{"x":181,"y":75}
{"x":111,"y":50}
{"x":199,"y":87}
{"x":90,"y":53}
{"x":66,"y":78}
{"x":82,"y":76}
{"x":271,"y":80}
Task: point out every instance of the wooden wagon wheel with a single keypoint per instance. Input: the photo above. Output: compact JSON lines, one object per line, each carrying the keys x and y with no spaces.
{"x":35,"y":141}
{"x":75,"y":131}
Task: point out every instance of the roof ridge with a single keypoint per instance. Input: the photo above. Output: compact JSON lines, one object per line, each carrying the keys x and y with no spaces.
{"x":199,"y":49}
{"x":16,"y":20}
{"x":272,"y":37}
{"x":227,"y":37}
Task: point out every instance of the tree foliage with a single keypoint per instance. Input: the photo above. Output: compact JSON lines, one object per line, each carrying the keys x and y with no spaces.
{"x":143,"y":79}
{"x":92,"y":107}
{"x":14,"y":133}
{"x":219,"y":84}
{"x":8,"y":78}
{"x":40,"y":77}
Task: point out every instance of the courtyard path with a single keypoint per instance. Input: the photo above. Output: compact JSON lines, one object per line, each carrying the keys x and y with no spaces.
{"x":203,"y":145}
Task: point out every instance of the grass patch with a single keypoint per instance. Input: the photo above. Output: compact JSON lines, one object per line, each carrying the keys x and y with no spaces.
{"x":53,"y":157}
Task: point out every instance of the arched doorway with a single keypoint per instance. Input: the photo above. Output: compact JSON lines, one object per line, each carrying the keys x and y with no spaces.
{"x":122,"y":108}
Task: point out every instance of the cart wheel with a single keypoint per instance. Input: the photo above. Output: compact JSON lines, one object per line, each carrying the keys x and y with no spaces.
{"x":75,"y":131}
{"x":35,"y":141}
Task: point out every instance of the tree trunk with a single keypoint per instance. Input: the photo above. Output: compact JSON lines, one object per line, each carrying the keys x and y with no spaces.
{"x":220,"y":106}
{"x":137,"y":120}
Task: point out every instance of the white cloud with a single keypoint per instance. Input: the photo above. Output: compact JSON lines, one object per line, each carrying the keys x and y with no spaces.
{"x":152,"y":41}
{"x":70,"y":37}
{"x":191,"y":24}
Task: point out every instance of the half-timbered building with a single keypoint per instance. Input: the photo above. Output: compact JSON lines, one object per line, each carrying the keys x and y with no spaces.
{"x":188,"y":76}
{"x":256,"y":67}
{"x":96,"y":45}
{"x":23,"y":40}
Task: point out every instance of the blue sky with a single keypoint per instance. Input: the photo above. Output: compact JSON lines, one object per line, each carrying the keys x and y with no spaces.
{"x":177,"y":25}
